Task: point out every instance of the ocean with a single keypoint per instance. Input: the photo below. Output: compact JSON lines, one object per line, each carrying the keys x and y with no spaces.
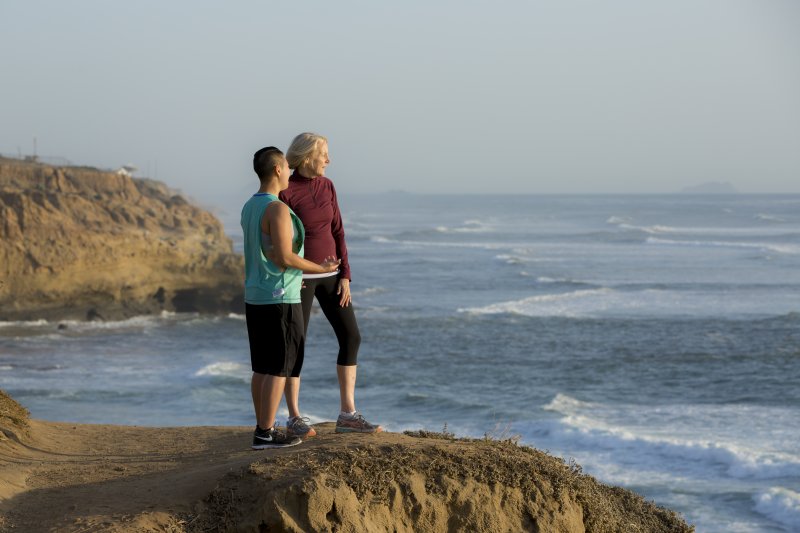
{"x":655,"y":340}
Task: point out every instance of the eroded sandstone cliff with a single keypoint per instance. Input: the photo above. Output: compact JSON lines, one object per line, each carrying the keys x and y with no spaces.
{"x":77,"y":242}
{"x":83,"y":477}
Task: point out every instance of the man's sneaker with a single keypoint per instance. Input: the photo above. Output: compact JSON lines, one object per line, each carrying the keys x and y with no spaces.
{"x":298,"y":426}
{"x":355,"y":423}
{"x":272,"y":438}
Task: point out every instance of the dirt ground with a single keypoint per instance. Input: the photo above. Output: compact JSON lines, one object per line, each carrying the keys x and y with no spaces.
{"x":82,"y":478}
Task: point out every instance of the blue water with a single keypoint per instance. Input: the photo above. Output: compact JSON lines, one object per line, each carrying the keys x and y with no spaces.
{"x":655,"y":339}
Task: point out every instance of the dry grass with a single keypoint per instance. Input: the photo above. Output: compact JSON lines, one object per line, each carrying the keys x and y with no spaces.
{"x":370,"y":469}
{"x":606,"y":507}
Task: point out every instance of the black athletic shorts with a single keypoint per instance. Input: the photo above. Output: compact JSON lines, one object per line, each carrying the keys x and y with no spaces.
{"x":277,"y":338}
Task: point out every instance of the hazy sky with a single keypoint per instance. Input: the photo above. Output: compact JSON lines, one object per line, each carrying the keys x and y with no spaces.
{"x":630,"y":96}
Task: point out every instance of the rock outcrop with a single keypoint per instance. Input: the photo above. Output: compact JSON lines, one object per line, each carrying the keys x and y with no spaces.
{"x":423,"y":481}
{"x":80,"y":477}
{"x":77,"y":242}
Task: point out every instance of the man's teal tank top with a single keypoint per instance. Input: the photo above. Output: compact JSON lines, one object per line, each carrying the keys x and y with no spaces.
{"x":265,"y":283}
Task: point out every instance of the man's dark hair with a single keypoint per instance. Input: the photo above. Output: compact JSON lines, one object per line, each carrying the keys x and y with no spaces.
{"x":265,"y":161}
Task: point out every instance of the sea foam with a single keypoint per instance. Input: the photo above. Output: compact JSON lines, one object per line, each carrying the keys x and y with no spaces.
{"x":658,"y":229}
{"x":780,"y":505}
{"x":444,"y":244}
{"x":648,"y":437}
{"x":546,"y":304}
{"x":604,"y":302}
{"x":226,"y":369}
{"x":370,"y":291}
{"x":470,"y":226}
{"x":769,"y":218}
{"x":771,"y":247}
{"x":23,"y":323}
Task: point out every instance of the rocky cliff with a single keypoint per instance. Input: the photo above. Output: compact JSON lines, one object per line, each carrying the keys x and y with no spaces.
{"x":80,"y":477}
{"x":77,"y":242}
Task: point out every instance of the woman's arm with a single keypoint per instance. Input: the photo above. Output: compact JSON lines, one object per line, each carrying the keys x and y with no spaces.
{"x":278,"y":223}
{"x":337,"y":230}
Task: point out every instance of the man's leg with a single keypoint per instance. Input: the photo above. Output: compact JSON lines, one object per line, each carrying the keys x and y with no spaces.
{"x":266,"y":391}
{"x":270,"y":400}
{"x":257,"y":389}
{"x":275,"y":340}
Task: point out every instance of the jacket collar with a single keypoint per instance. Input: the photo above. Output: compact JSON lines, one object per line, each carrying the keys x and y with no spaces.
{"x":296,"y":176}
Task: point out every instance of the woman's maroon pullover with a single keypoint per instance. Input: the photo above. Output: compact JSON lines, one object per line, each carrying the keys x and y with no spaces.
{"x":314,"y":201}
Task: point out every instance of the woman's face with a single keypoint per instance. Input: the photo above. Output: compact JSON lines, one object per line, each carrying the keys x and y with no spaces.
{"x":318,"y":160}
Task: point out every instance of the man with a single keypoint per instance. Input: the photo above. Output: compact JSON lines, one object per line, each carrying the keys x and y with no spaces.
{"x":274,"y":265}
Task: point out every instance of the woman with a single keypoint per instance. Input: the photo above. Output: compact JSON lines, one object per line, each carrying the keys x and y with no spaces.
{"x":273,"y":259}
{"x":312,"y":196}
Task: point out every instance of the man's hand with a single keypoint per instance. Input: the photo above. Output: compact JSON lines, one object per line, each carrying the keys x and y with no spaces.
{"x":330,"y":264}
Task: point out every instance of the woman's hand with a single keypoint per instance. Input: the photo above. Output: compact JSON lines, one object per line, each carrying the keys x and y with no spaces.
{"x":344,"y":291}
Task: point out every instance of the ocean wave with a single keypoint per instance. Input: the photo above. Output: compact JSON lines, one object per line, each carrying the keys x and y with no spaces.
{"x":547,"y":280}
{"x":768,"y":218}
{"x":470,"y":226}
{"x":510,"y":259}
{"x":375,"y":310}
{"x":442,"y":244}
{"x":781,"y":505}
{"x":521,"y":256}
{"x":660,"y":229}
{"x":139,"y":321}
{"x":565,"y":404}
{"x":793,"y":316}
{"x":225,"y":369}
{"x":586,"y":300}
{"x":771,"y":247}
{"x":411,"y":400}
{"x":543,"y":305}
{"x":583,"y":425}
{"x":48,"y":368}
{"x":6,"y":367}
{"x":370,"y":290}
{"x":24,"y":323}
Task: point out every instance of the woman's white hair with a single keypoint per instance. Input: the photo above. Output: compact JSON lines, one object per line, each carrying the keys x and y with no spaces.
{"x":302,"y":148}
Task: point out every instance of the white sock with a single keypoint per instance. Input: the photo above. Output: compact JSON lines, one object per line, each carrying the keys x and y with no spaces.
{"x":350,"y":414}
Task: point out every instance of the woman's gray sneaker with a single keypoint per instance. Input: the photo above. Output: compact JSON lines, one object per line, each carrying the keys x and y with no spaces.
{"x":355,"y":423}
{"x":298,"y":426}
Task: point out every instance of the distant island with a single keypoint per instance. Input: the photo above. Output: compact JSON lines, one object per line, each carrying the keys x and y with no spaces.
{"x":81,"y":243}
{"x":711,"y":187}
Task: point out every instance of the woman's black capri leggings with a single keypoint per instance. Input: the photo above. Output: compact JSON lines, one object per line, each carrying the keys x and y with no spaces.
{"x":343,"y":319}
